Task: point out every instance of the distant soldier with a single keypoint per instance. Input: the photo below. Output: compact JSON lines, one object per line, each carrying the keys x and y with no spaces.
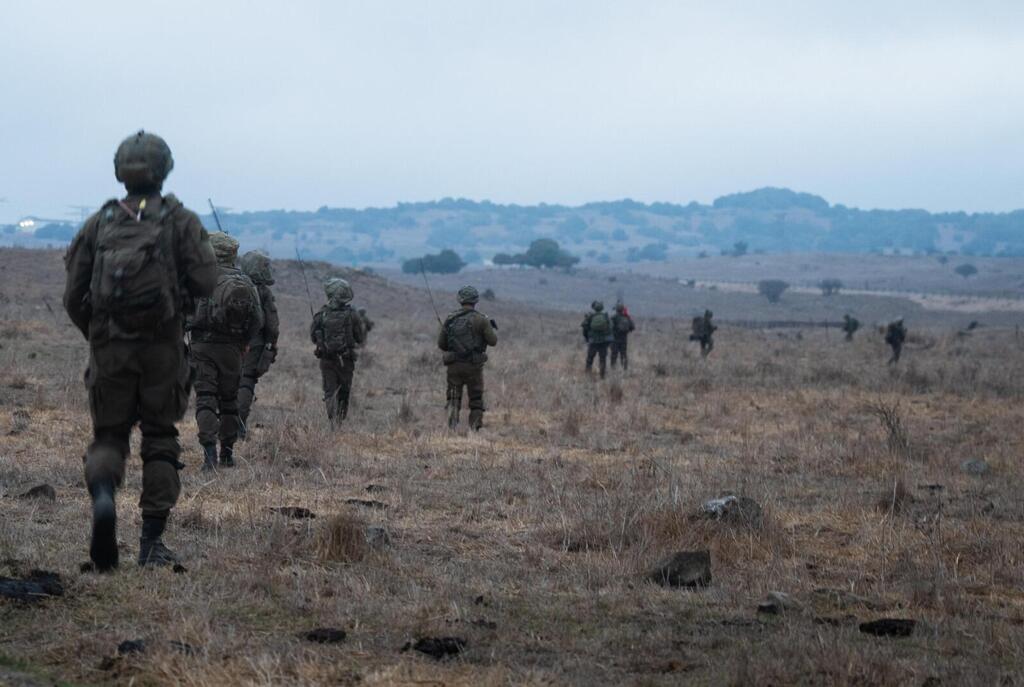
{"x":850,"y":326}
{"x":222,"y":327}
{"x":895,"y":335}
{"x":263,"y":348}
{"x":597,"y":332}
{"x":130,"y":270}
{"x":622,"y":325}
{"x":464,"y":337}
{"x":367,"y":322}
{"x":337,"y":331}
{"x":703,"y":331}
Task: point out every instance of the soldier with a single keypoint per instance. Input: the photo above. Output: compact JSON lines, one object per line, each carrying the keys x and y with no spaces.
{"x":130,"y":270}
{"x":464,"y":338}
{"x":703,"y":331}
{"x":850,"y":325}
{"x":263,"y":348}
{"x":895,"y":335}
{"x":622,"y":325}
{"x":221,"y":328}
{"x":597,"y":332}
{"x":337,"y":330}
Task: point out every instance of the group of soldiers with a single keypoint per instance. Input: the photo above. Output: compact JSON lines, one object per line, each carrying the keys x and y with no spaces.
{"x":167,"y":307}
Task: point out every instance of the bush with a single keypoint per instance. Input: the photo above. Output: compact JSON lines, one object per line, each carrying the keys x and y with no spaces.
{"x":966,"y":270}
{"x":772,"y":289}
{"x":739,"y":249}
{"x":830,"y":287}
{"x":541,"y":253}
{"x":488,"y":294}
{"x":445,"y":262}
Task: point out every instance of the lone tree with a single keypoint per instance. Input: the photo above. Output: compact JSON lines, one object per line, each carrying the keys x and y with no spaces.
{"x":772,"y":289}
{"x":830,"y":287}
{"x":541,"y":253}
{"x":739,"y":249}
{"x":445,"y":262}
{"x":966,"y":270}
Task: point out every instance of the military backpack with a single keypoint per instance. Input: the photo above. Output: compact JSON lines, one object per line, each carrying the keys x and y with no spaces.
{"x":134,"y":277}
{"x":234,"y":307}
{"x":463,"y":343}
{"x":336,"y":338}
{"x":623,"y":325}
{"x":600,"y":324}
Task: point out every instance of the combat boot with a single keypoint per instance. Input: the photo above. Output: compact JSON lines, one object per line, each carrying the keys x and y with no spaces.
{"x":152,"y":551}
{"x":227,"y":455}
{"x":103,"y":547}
{"x":476,"y":419}
{"x":209,"y":457}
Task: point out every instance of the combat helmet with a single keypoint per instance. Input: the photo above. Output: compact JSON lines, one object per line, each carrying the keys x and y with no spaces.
{"x":225,"y":247}
{"x":620,"y":307}
{"x":338,"y":290}
{"x":143,"y":161}
{"x":598,"y":306}
{"x":468,"y":295}
{"x":256,"y":266}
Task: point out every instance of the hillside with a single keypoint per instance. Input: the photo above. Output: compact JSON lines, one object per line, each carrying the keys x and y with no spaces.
{"x":767,"y":220}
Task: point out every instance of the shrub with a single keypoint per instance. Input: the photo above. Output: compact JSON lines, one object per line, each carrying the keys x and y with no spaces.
{"x":772,"y":289}
{"x":445,"y":262}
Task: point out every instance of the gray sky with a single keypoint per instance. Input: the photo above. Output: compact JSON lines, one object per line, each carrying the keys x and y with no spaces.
{"x":303,"y":103}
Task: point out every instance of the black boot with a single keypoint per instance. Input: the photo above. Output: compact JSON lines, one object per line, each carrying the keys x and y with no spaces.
{"x":227,"y":455}
{"x":209,"y":457}
{"x":103,"y":548}
{"x":152,"y":551}
{"x":476,"y":419}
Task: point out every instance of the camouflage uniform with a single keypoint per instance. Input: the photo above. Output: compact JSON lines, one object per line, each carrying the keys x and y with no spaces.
{"x":136,"y":376}
{"x":703,"y":331}
{"x":263,"y":347}
{"x":464,"y":337}
{"x":622,"y":325}
{"x":217,"y":362}
{"x":597,"y":343}
{"x":337,"y":370}
{"x":895,"y":335}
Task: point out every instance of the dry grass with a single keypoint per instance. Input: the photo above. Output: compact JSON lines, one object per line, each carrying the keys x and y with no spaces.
{"x":531,"y":539}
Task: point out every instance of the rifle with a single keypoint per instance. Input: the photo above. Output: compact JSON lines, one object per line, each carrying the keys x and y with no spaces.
{"x":429,"y":293}
{"x":216,"y":218}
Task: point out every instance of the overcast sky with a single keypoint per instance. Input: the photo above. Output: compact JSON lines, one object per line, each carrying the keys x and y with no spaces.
{"x":300,"y":104}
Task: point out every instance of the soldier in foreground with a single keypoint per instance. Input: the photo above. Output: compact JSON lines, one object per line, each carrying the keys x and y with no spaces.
{"x":597,"y":332}
{"x":222,"y":327}
{"x":703,"y":331}
{"x":464,"y":338}
{"x":622,"y":325}
{"x":850,"y":326}
{"x":895,"y":335}
{"x":336,"y":331}
{"x":263,"y":347}
{"x":129,"y":271}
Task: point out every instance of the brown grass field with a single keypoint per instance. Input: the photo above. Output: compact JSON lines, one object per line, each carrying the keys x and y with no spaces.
{"x":532,"y":539}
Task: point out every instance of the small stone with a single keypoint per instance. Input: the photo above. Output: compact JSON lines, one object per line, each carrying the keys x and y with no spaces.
{"x":367,"y":503}
{"x":375,"y":488}
{"x":777,"y":603}
{"x":325,"y":635}
{"x":131,"y":646}
{"x":889,"y":627}
{"x":377,"y":537}
{"x":975,"y":466}
{"x":39,"y":585}
{"x":740,"y":510}
{"x":297,"y":512}
{"x":41,"y":491}
{"x":438,"y":648}
{"x":684,"y":569}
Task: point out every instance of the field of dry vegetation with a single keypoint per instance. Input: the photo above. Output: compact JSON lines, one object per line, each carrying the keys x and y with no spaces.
{"x":533,"y":540}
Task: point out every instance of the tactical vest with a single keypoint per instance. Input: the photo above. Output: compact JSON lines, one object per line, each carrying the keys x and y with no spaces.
{"x":335,"y":332}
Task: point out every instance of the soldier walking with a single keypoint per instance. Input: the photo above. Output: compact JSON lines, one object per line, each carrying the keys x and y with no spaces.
{"x":622,"y":325}
{"x":222,"y":327}
{"x":337,"y":330}
{"x":703,"y":331}
{"x":129,"y":271}
{"x":850,"y":326}
{"x":263,"y":348}
{"x":464,"y":338}
{"x":895,"y":335}
{"x":597,"y":332}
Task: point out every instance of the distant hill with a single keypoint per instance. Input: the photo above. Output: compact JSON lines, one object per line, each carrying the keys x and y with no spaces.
{"x":768,"y":220}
